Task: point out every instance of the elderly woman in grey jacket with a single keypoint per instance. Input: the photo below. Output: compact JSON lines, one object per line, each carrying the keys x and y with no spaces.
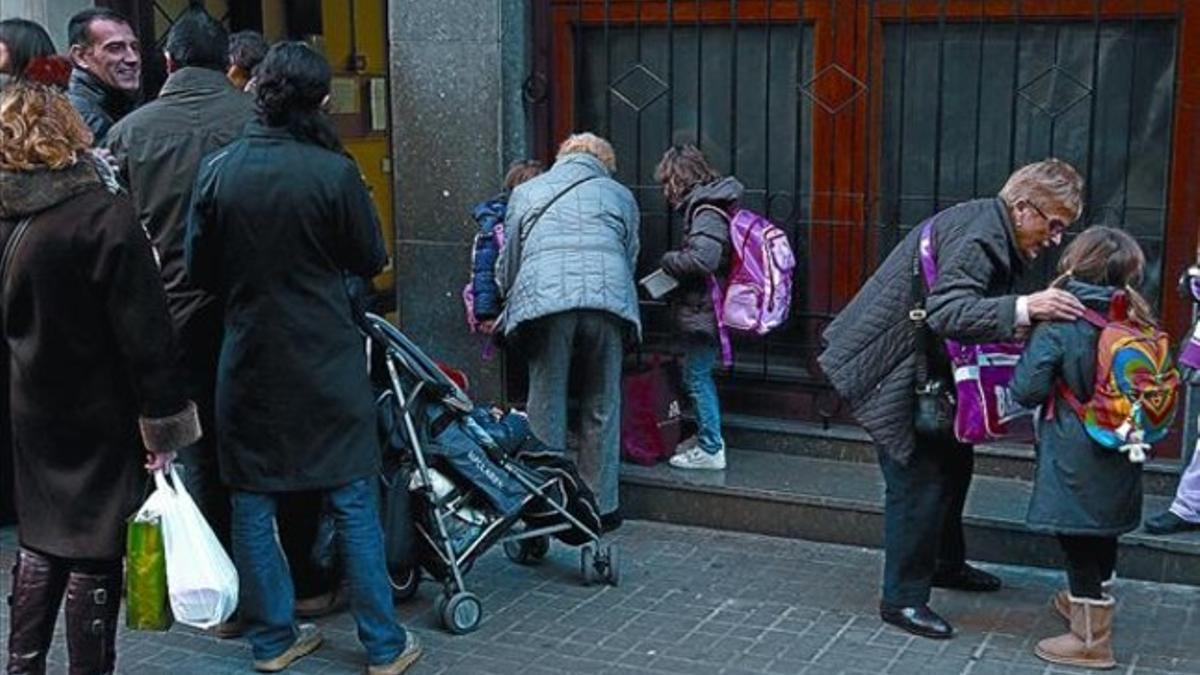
{"x":981,"y":246}
{"x":567,"y":275}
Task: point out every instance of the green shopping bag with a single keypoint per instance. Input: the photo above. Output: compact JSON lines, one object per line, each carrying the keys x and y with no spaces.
{"x":146,"y":605}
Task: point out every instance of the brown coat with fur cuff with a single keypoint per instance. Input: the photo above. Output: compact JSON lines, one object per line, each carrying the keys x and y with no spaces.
{"x":90,"y":350}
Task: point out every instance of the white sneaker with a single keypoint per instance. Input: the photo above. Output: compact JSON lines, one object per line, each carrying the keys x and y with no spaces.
{"x":696,"y":458}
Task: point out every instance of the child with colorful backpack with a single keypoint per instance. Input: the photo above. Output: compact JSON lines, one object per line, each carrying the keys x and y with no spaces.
{"x":481,"y":295}
{"x":1108,"y":390}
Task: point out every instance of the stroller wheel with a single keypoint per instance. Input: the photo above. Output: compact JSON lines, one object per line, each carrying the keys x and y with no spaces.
{"x":404,"y":583}
{"x":612,"y":565}
{"x":461,"y":613}
{"x":527,"y":551}
{"x":587,"y":563}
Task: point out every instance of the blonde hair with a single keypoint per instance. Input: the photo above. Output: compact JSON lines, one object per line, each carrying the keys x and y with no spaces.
{"x":39,"y":129}
{"x":591,"y":144}
{"x":1106,"y":256}
{"x":1050,"y":185}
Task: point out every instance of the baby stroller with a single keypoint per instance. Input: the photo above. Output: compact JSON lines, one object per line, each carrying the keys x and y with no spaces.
{"x":475,"y":477}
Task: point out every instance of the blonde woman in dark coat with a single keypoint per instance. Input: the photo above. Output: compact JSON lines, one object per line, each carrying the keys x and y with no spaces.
{"x":89,"y":352}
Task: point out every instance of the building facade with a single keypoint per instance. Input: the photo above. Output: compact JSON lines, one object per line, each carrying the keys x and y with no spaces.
{"x":849,"y":121}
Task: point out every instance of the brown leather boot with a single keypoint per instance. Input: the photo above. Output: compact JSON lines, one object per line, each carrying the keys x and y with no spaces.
{"x":1089,"y":642}
{"x":93,"y":601}
{"x":38,"y":583}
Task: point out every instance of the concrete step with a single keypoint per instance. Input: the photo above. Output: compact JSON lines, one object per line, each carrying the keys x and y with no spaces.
{"x":852,"y":444}
{"x":841,"y":502}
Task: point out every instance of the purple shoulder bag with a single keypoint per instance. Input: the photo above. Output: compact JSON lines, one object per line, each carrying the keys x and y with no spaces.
{"x":985,"y":412}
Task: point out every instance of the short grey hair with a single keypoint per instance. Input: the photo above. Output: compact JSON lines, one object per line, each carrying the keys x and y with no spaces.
{"x":591,"y":144}
{"x":1050,"y":184}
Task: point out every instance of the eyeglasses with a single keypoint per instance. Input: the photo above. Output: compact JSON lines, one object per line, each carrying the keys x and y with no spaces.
{"x":1057,"y":226}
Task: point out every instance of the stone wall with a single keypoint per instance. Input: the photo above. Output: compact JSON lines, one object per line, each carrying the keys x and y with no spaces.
{"x":456,"y":73}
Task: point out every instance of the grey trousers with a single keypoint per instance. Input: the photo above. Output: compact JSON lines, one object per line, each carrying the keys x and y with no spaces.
{"x":579,"y":351}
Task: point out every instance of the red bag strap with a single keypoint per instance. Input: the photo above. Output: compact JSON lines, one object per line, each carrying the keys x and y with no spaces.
{"x":1069,"y":397}
{"x":1095,"y":318}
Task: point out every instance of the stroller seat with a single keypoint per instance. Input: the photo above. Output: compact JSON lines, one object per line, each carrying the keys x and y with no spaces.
{"x":477,"y":476}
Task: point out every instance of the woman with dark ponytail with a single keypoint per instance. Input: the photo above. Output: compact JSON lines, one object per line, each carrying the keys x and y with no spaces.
{"x":278,"y":218}
{"x":292,"y":87}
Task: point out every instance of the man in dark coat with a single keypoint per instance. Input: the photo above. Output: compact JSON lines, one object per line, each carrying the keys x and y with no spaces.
{"x":158,"y":149}
{"x":108,"y":68}
{"x":981,"y":247}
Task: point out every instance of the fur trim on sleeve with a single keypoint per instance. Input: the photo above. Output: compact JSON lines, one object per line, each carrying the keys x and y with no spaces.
{"x":167,"y":434}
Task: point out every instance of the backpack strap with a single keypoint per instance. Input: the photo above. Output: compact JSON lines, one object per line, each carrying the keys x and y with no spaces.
{"x":1095,"y":318}
{"x":1099,"y":321}
{"x":1069,"y":396}
{"x":716,"y":294}
{"x":718,"y":301}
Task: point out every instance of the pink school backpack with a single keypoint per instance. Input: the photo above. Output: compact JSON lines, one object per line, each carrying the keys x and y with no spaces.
{"x":758,"y":293}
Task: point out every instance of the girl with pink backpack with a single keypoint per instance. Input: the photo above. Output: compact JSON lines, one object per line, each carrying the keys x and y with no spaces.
{"x":692,"y":186}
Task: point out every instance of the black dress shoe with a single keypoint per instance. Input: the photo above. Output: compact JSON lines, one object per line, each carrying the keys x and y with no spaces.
{"x":610,"y":521}
{"x":967,"y":578}
{"x":1169,"y":523}
{"x":919,"y":620}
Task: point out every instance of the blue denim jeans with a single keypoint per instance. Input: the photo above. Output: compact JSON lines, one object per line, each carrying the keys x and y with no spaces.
{"x":267,"y":602}
{"x":699,"y":357}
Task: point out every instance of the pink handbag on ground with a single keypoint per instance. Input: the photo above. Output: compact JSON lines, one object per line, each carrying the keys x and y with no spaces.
{"x":985,"y":412}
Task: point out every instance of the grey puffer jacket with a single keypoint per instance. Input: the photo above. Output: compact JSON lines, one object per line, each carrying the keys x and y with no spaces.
{"x":1079,"y":487}
{"x":704,"y":253}
{"x":582,"y":252}
{"x":870,"y":355}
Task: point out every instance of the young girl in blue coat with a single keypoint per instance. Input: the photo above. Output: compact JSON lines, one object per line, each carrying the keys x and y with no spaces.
{"x":1084,"y":494}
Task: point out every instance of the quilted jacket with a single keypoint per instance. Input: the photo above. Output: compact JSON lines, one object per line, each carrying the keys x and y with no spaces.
{"x":870,"y":352}
{"x":581,"y":254}
{"x":703,"y":253}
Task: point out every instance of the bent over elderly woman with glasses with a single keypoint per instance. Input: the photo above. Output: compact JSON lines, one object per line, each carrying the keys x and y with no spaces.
{"x":982,"y":247}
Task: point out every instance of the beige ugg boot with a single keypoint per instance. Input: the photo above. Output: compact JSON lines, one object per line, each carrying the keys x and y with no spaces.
{"x":1060,"y":602}
{"x":1089,"y":642}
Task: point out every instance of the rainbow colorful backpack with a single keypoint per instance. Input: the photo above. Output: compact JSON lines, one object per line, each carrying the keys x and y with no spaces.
{"x":1136,"y":387}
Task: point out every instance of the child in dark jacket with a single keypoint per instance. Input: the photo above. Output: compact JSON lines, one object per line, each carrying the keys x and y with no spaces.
{"x":1084,"y":493}
{"x":482,"y":296}
{"x":704,"y":198}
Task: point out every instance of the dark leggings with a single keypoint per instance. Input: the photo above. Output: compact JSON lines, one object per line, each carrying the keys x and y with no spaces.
{"x":1090,"y":562}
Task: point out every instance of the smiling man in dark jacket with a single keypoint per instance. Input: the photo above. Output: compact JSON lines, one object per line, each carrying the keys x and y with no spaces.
{"x":158,"y":149}
{"x":108,"y":68}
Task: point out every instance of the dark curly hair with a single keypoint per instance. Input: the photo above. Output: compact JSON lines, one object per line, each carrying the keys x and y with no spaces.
{"x":293,"y":82}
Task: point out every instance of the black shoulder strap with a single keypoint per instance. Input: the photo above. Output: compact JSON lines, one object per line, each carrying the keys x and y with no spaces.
{"x":528,"y":229}
{"x":917,"y":316}
{"x":10,"y":249}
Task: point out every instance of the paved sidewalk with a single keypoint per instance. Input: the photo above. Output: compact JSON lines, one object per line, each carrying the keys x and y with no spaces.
{"x":700,"y":601}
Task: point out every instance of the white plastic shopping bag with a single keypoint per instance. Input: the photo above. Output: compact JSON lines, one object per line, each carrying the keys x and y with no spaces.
{"x":202,"y":582}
